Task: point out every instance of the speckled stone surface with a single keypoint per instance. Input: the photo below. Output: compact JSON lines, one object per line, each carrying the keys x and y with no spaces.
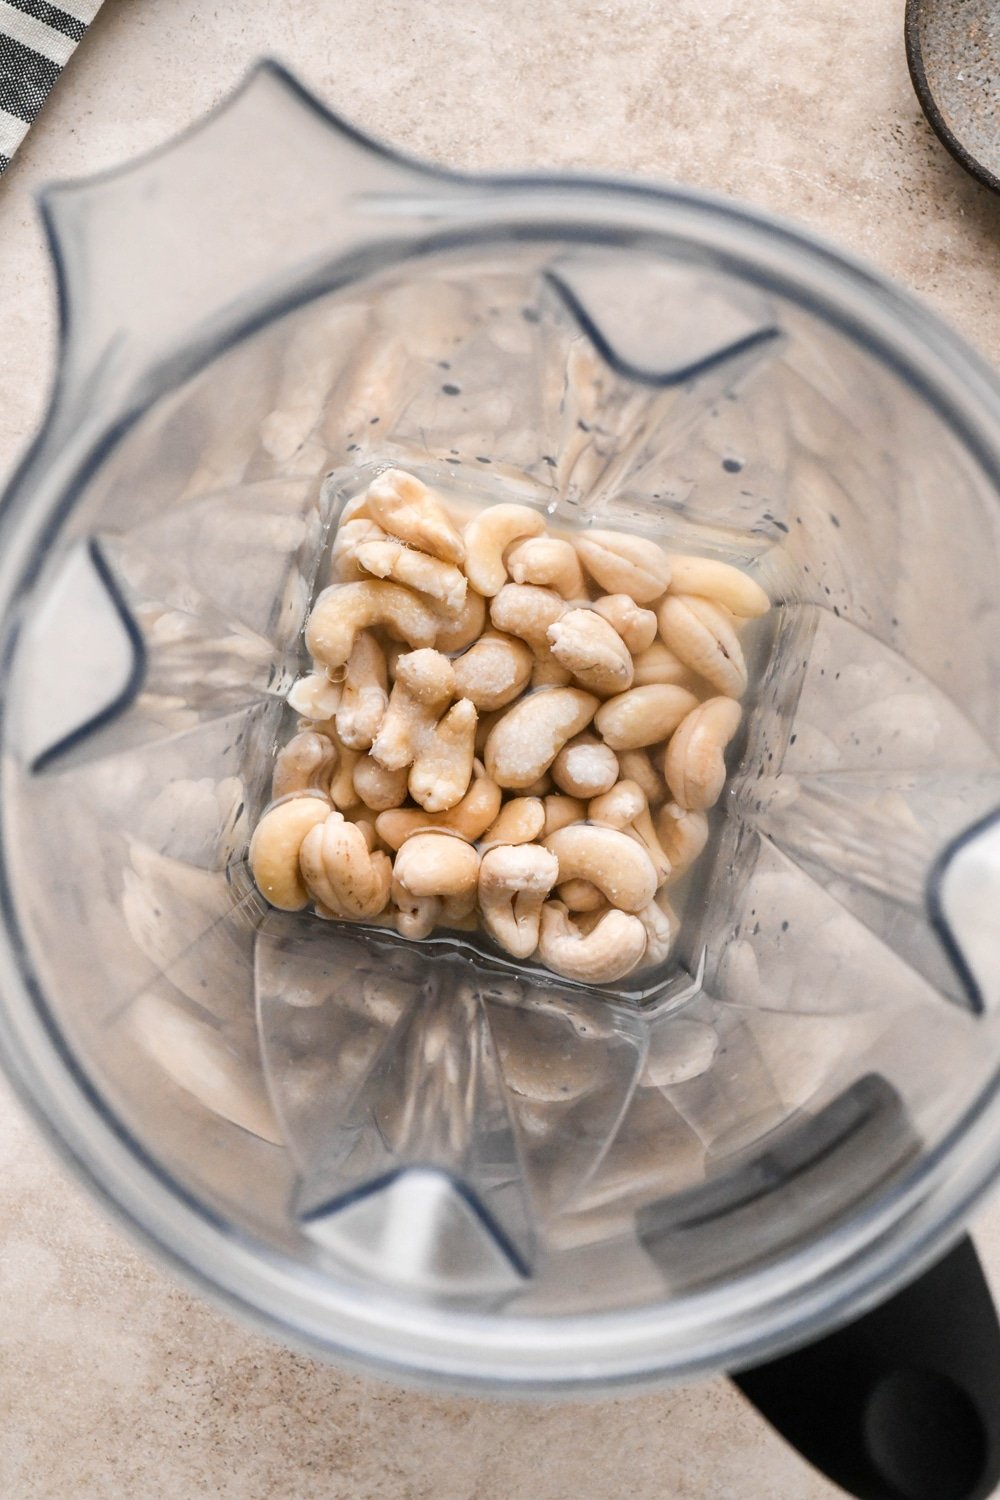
{"x":114,"y":1382}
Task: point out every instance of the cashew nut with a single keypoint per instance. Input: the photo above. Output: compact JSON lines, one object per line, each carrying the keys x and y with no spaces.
{"x":524,"y":610}
{"x":454,"y":634}
{"x":643,"y":715}
{"x":720,"y":582}
{"x":406,"y":508}
{"x":694,"y":763}
{"x":592,"y":650}
{"x":442,"y":766}
{"x":275,"y":847}
{"x":659,"y":664}
{"x":379,"y":787}
{"x":428,"y":675}
{"x":636,"y":626}
{"x":315,"y":696}
{"x":342,"y":793}
{"x":550,"y":562}
{"x":513,"y":885}
{"x":580,"y":895}
{"x":493,"y":671}
{"x":547,"y":672}
{"x":487,"y":537}
{"x":541,"y":787}
{"x":608,"y":951}
{"x":519,"y":822}
{"x":560,"y":812}
{"x":429,"y":869}
{"x":618,"y":865}
{"x":700,"y":633}
{"x":413,"y":710}
{"x":306,"y":763}
{"x":525,"y":742}
{"x":365,"y":696}
{"x":625,"y":807}
{"x":683,"y":834}
{"x":439,"y":580}
{"x":351,"y":534}
{"x":345,"y":608}
{"x":341,"y":871}
{"x":585,"y":767}
{"x":661,"y":925}
{"x":624,"y":564}
{"x":469,"y":818}
{"x":636,"y":765}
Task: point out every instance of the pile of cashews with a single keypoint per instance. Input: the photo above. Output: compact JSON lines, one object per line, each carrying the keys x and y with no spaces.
{"x":544,"y":775}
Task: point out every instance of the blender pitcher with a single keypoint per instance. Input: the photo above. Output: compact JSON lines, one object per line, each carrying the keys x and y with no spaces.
{"x":419,"y":1157}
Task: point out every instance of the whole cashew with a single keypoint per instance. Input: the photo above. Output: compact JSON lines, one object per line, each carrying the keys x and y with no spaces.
{"x":409,"y":718}
{"x":430,"y":869}
{"x":636,"y":626}
{"x":636,"y":765}
{"x":365,"y":695}
{"x":550,"y":562}
{"x":585,"y":767}
{"x":342,"y":793}
{"x":513,"y":884}
{"x":341,"y":871}
{"x":487,"y":537}
{"x":580,"y":895}
{"x":683,"y":835}
{"x":345,"y":608}
{"x":694,"y":763}
{"x":524,"y":610}
{"x":586,"y":645}
{"x":701,"y":635}
{"x":618,"y":865}
{"x":406,"y":508}
{"x":525,"y":742}
{"x":493,"y":671}
{"x":428,"y":675}
{"x":454,"y":634}
{"x":315,"y":696}
{"x":306,"y":763}
{"x":720,"y":582}
{"x":560,"y":812}
{"x":659,"y":664}
{"x":625,"y":807}
{"x":469,"y":818}
{"x":643,"y":715}
{"x":609,"y":951}
{"x":377,"y":786}
{"x":428,"y":575}
{"x":275,"y":847}
{"x":519,"y":821}
{"x":351,"y":534}
{"x":624,"y":564}
{"x":442,"y":766}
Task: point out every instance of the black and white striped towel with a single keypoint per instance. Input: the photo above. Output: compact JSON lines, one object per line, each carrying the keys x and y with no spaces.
{"x":37,"y":40}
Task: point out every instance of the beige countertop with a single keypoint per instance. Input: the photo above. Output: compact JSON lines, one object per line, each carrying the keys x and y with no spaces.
{"x":114,"y":1382}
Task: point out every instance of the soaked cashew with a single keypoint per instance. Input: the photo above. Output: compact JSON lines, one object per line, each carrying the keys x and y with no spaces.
{"x":275,"y":848}
{"x":586,"y":645}
{"x":423,"y":687}
{"x":345,"y":608}
{"x":585,"y":767}
{"x":365,"y":696}
{"x":428,"y":675}
{"x":636,"y":626}
{"x":624,"y":564}
{"x":720,"y":582}
{"x":351,"y":534}
{"x":618,"y":866}
{"x":683,"y":833}
{"x":406,"y":508}
{"x":636,"y":765}
{"x":469,"y":818}
{"x":493,"y":671}
{"x":430,"y":870}
{"x":610,"y":950}
{"x":580,"y":895}
{"x":342,"y":793}
{"x":524,"y":610}
{"x":643,"y":715}
{"x":625,"y":807}
{"x":455,"y":634}
{"x":694,"y":763}
{"x":658,"y":664}
{"x":487,"y":537}
{"x":519,"y":822}
{"x":428,"y":575}
{"x":525,"y":742}
{"x":513,"y":885}
{"x":306,"y":763}
{"x":377,"y":786}
{"x":560,"y":812}
{"x":700,"y":633}
{"x":315,"y":696}
{"x":550,"y":562}
{"x":342,"y":872}
{"x":442,"y":766}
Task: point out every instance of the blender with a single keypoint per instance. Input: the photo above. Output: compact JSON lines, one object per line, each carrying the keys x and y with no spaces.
{"x":416,"y":1157}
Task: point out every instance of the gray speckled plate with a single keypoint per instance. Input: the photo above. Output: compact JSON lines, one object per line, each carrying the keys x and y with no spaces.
{"x":953,"y":52}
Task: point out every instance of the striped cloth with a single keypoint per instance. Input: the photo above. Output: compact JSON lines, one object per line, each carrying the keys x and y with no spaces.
{"x":36,"y":43}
